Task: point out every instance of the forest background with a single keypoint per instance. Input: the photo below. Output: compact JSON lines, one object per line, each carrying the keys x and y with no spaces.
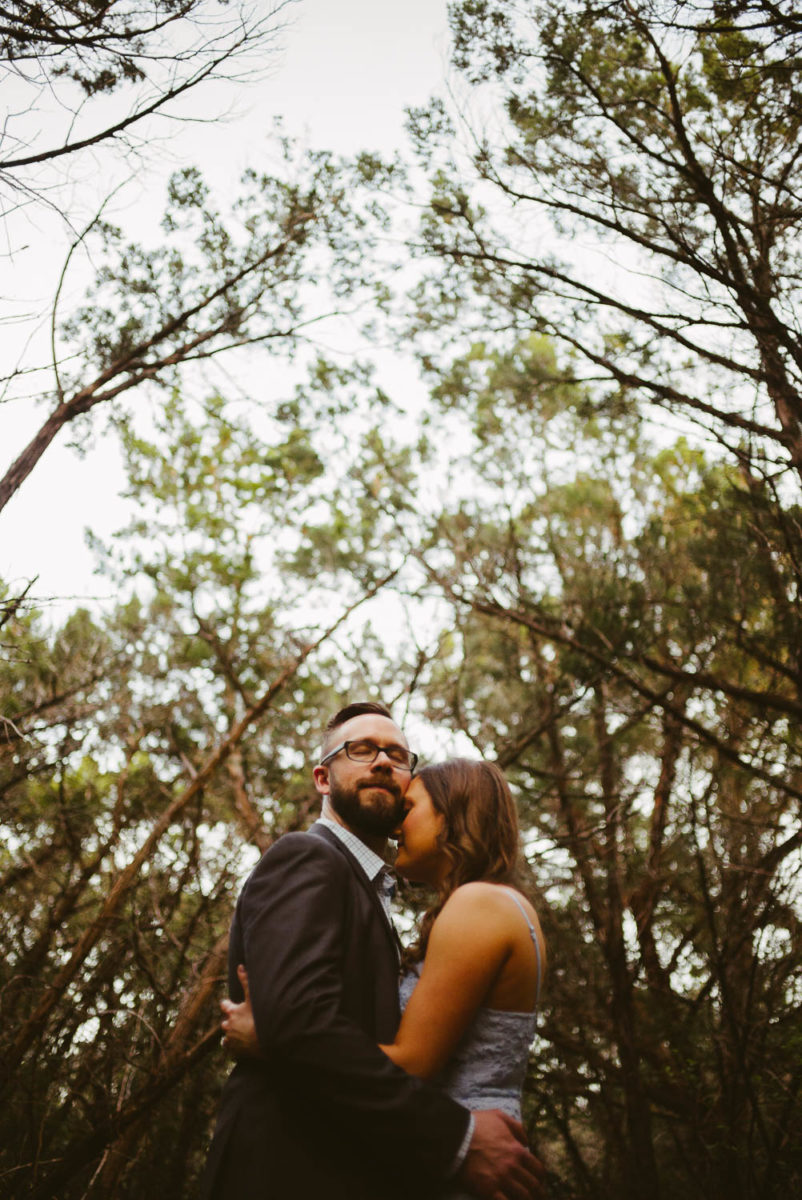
{"x":574,"y":547}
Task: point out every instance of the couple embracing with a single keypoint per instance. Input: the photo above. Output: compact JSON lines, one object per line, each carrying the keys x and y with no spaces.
{"x":334,"y":1094}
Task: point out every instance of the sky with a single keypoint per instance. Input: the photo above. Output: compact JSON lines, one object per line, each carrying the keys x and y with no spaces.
{"x":341,"y":79}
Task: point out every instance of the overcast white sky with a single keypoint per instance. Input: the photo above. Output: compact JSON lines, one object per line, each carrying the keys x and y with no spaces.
{"x":346,"y":72}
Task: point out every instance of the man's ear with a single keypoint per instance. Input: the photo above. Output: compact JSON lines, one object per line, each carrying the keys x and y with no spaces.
{"x":321,"y":778}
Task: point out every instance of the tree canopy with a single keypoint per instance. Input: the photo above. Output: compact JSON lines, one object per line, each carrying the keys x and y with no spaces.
{"x":664,"y":138}
{"x":579,"y":556}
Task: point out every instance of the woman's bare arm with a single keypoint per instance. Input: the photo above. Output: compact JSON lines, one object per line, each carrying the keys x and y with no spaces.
{"x":469,"y":945}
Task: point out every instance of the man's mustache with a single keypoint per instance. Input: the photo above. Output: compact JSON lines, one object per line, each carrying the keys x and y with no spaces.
{"x":383,"y":781}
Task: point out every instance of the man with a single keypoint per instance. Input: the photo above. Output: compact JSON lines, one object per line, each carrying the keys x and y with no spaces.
{"x":325,"y":1113}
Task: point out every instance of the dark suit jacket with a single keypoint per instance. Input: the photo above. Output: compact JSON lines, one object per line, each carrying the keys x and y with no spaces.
{"x":327,"y":1115}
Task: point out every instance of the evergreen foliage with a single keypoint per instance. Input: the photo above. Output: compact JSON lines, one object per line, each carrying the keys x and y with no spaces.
{"x":607,"y":606}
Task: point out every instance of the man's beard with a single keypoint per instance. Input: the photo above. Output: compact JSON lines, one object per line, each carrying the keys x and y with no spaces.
{"x":379,"y":816}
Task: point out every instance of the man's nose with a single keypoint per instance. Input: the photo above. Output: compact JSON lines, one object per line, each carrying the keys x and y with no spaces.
{"x":389,"y":761}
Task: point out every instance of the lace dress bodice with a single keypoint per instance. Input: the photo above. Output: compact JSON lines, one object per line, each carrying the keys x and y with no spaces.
{"x":488,"y":1066}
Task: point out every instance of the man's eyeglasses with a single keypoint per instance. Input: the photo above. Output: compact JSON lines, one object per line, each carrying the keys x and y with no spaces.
{"x":364,"y":751}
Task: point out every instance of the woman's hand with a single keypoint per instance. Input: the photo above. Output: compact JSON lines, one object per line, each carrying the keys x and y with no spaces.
{"x":239,"y":1031}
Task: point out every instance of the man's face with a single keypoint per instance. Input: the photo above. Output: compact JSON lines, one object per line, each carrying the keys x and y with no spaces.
{"x":367,"y":797}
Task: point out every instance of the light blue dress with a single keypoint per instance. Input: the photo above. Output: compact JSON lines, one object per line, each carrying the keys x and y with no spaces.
{"x":488,"y":1066}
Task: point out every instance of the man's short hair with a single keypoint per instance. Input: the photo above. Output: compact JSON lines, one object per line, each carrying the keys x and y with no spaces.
{"x":359,"y":708}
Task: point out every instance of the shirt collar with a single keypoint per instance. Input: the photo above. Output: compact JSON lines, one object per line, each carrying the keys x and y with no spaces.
{"x":369,"y":861}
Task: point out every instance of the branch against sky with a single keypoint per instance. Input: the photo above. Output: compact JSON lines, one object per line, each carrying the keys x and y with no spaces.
{"x":110,"y":69}
{"x":84,"y":85}
{"x":294,"y":251}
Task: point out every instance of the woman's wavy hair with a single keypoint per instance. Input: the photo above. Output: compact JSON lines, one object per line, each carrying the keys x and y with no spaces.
{"x":480,"y":831}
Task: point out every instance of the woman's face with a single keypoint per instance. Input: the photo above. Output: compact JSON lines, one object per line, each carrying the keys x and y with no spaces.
{"x":419,"y":855}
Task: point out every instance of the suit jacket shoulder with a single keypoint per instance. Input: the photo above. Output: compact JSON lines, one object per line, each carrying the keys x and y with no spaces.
{"x":294,"y":850}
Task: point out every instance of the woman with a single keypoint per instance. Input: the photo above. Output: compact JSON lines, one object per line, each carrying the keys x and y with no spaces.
{"x":471,"y":982}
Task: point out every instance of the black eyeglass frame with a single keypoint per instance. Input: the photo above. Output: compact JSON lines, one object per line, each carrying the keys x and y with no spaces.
{"x":413,"y":758}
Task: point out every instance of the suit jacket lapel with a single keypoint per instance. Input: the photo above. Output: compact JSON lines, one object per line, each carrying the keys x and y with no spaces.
{"x":363,"y":881}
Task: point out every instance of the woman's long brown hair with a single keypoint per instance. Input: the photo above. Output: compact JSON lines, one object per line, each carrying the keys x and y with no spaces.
{"x":480,"y":831}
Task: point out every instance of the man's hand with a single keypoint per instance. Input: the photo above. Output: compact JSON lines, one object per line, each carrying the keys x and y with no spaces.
{"x":239,"y":1031}
{"x":498,"y":1165}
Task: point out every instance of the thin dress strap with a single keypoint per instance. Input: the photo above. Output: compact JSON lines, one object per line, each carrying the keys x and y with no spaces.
{"x":535,"y":942}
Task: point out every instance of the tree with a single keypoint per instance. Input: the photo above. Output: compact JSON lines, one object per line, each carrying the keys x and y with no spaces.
{"x":141,"y":755}
{"x":88,"y":53}
{"x":212,"y":283}
{"x":212,"y":287}
{"x":594,"y":614}
{"x":661,"y":805}
{"x":667,"y":139}
{"x":666,"y":136}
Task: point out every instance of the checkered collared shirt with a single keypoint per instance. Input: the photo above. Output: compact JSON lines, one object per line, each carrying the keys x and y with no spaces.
{"x":371,"y":863}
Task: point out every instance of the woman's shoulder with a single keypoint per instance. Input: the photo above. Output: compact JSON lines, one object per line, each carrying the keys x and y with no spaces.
{"x":481,"y":899}
{"x":495,"y":919}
